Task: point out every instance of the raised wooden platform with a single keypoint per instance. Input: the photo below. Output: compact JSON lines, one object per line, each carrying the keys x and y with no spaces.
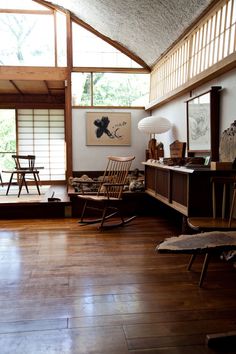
{"x":35,"y":206}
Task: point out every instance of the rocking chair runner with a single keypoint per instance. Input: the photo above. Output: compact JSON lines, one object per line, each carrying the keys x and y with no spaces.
{"x":108,"y":199}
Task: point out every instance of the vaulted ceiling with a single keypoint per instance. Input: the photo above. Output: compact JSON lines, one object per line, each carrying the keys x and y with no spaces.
{"x":146,"y":28}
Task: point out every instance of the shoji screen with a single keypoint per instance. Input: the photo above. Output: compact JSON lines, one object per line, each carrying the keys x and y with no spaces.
{"x":41,"y":132}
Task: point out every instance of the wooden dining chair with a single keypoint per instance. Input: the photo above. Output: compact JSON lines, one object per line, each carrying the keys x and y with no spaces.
{"x":222,"y":218}
{"x":24,"y":170}
{"x":221,"y":215}
{"x":109,"y":197}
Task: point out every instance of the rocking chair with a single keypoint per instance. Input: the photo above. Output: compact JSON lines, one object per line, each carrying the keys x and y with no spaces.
{"x":108,"y":198}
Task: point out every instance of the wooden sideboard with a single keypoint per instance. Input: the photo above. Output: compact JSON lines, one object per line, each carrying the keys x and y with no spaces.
{"x":186,"y":190}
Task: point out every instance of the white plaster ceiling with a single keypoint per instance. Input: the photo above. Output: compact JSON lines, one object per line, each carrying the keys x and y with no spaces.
{"x":145,"y":27}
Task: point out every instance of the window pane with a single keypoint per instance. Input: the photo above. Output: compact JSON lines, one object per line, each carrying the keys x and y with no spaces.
{"x":27,"y":40}
{"x":61,"y":39}
{"x":81,"y":89}
{"x":115,"y":89}
{"x":21,"y":5}
{"x":7,"y":140}
{"x":90,"y":50}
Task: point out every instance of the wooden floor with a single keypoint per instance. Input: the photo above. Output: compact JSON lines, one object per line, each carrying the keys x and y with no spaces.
{"x":66,"y":288}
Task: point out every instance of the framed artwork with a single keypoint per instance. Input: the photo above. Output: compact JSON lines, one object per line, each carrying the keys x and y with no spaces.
{"x":108,"y":128}
{"x":203,"y":123}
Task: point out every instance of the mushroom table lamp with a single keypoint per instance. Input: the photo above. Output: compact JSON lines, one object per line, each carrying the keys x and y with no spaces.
{"x":154,"y":125}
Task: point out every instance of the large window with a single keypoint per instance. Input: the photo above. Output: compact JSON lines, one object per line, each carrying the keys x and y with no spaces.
{"x":91,"y":51}
{"x":26,"y":40}
{"x":41,"y":132}
{"x":110,"y":89}
{"x":81,"y":89}
{"x":20,"y":5}
{"x":61,"y":39}
{"x":28,"y":36}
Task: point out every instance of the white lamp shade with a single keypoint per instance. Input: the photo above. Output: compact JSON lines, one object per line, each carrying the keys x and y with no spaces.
{"x":154,"y":125}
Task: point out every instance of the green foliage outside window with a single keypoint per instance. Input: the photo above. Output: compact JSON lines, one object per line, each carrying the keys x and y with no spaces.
{"x":7,"y":138}
{"x":110,"y":89}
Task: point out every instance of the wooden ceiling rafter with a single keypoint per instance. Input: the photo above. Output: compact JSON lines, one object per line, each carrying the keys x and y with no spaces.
{"x":47,"y":87}
{"x":32,"y":82}
{"x":16,"y":87}
{"x":44,"y":100}
{"x":93,"y":69}
{"x":31,"y":73}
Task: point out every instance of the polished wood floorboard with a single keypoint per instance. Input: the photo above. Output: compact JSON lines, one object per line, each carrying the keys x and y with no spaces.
{"x":67,"y":288}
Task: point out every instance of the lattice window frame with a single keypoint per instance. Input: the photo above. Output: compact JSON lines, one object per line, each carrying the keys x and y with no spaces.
{"x":209,"y":43}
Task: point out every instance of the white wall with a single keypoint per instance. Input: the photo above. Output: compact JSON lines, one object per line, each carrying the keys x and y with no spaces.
{"x":93,"y":158}
{"x":175,"y":110}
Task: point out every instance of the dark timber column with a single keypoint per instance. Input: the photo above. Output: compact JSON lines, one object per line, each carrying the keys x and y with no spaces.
{"x":68,"y":107}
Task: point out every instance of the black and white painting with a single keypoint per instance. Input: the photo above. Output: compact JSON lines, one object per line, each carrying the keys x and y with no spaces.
{"x":108,"y":128}
{"x":199,"y":128}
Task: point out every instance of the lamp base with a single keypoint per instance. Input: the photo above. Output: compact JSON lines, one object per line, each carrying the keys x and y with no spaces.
{"x":155,"y":150}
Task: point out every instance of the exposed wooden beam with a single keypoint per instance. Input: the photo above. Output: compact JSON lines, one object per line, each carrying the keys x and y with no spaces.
{"x":49,"y":5}
{"x":16,"y":87}
{"x":69,"y":41}
{"x":68,"y":130}
{"x":37,"y":105}
{"x":32,"y":73}
{"x":68,"y":101}
{"x":110,"y":70}
{"x":46,"y":85}
{"x":139,"y":108}
{"x":14,"y":100}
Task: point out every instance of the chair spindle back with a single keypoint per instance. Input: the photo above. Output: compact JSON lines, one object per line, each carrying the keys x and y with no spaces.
{"x":26,"y":162}
{"x":116,"y":172}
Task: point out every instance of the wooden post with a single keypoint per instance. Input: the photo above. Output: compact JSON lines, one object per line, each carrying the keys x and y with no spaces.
{"x":68,"y":98}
